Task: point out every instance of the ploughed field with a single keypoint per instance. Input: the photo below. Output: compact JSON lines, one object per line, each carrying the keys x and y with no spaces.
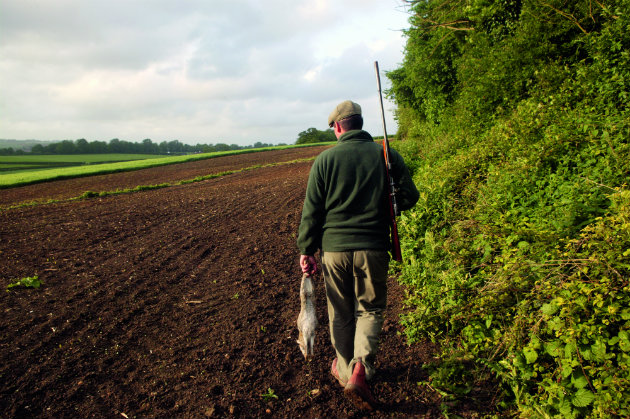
{"x":176,"y":302}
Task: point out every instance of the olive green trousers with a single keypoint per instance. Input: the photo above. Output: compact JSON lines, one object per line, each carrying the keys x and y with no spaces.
{"x":356,"y":291}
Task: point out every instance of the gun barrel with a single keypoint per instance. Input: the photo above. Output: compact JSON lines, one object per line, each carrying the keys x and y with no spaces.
{"x":380,"y":97}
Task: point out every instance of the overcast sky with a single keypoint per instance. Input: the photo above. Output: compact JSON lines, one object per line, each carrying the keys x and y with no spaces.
{"x":199,"y":71}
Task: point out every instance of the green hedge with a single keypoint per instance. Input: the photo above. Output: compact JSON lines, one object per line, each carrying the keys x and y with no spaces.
{"x":517,"y":256}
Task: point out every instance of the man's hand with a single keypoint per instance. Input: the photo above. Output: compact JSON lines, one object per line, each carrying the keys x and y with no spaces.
{"x":308,"y":264}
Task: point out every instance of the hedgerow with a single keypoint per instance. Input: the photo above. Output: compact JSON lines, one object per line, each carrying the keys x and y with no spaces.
{"x":517,"y":256}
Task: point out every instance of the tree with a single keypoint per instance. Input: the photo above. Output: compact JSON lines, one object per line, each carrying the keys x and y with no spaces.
{"x":65,"y":147}
{"x":37,"y":149}
{"x":98,"y":147}
{"x":174,"y":146}
{"x":115,"y":146}
{"x":149,"y":147}
{"x":313,"y":135}
{"x":82,"y":146}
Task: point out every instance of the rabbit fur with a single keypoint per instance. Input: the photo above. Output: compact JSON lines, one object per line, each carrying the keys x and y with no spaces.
{"x":307,"y":319}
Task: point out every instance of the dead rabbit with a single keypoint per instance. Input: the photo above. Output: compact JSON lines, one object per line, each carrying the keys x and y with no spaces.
{"x":307,"y":319}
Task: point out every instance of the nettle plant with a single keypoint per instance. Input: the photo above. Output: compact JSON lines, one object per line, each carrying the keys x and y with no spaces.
{"x":574,"y":358}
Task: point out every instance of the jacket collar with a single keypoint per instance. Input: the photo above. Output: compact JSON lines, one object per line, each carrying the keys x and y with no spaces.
{"x":355,"y":135}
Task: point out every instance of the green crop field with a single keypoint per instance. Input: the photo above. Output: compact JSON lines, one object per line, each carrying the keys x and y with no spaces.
{"x":13,"y":164}
{"x":57,"y":168}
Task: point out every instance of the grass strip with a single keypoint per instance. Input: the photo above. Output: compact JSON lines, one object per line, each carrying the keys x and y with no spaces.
{"x":140,"y":188}
{"x":76,"y":158}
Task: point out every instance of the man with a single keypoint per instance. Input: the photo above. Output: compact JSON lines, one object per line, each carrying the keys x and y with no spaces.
{"x":346,"y":215}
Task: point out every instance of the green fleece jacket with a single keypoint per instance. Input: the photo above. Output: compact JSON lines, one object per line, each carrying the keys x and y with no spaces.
{"x":346,"y":205}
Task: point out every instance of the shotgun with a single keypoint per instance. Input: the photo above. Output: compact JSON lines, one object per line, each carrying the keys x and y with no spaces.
{"x":393,"y":207}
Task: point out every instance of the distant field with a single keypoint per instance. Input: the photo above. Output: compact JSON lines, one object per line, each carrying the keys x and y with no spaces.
{"x":13,"y":164}
{"x":56,"y":167}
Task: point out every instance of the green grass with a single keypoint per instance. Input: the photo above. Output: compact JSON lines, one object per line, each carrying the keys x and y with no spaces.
{"x":24,"y":177}
{"x":76,"y":158}
{"x":28,"y":163}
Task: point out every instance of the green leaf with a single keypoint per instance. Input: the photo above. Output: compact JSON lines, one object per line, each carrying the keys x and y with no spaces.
{"x":549,"y":308}
{"x":488,"y":321}
{"x":569,"y":350}
{"x":556,"y":324}
{"x":579,"y":381}
{"x":565,"y":409}
{"x":624,"y":342}
{"x":530,"y":355}
{"x":553,"y":348}
{"x":599,"y":351}
{"x":28,"y":282}
{"x":583,"y":398}
{"x":567,"y":369}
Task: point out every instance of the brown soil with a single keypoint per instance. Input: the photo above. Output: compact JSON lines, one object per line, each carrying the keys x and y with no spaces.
{"x":177,"y":302}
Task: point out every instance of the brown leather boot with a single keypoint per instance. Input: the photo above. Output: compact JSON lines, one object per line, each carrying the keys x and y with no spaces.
{"x":335,"y":373}
{"x":357,"y":389}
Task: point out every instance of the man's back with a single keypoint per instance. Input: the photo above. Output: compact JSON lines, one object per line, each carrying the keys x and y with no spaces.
{"x":347,"y":194}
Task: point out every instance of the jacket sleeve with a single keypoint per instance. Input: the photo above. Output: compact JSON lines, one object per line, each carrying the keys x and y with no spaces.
{"x":407,"y":194}
{"x":310,"y":230}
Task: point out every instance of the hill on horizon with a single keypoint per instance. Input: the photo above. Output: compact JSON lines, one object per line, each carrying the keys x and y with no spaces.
{"x":25,"y":145}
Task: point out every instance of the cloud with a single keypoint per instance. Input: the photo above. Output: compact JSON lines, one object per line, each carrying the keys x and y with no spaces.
{"x":236,"y":71}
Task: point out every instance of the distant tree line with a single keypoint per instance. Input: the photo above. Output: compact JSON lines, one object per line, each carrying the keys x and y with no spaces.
{"x":82,"y":146}
{"x":146,"y":146}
